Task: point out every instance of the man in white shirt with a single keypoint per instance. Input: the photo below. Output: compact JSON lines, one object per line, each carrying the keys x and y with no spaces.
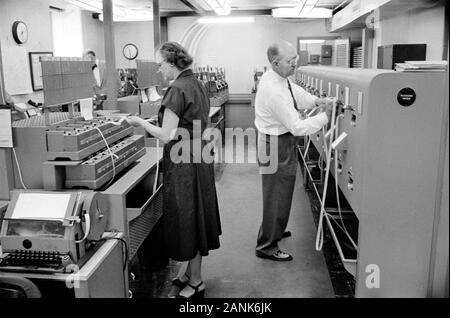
{"x":98,"y":70}
{"x":277,"y":118}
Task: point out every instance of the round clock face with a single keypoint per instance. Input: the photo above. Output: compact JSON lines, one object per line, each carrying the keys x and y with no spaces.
{"x":130,"y":51}
{"x":20,"y":32}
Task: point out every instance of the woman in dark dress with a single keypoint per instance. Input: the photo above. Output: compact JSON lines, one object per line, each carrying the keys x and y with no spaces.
{"x":191,"y":213}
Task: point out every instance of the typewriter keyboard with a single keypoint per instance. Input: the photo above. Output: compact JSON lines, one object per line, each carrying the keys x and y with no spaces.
{"x":34,"y":260}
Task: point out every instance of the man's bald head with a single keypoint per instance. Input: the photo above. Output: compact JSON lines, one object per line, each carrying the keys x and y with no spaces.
{"x":283,"y":58}
{"x":279,"y":49}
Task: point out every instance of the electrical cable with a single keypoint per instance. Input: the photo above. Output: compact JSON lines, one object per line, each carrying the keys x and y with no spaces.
{"x":336,"y":182}
{"x":319,"y":236}
{"x":155,"y":184}
{"x":324,"y":133}
{"x":328,"y":152}
{"x":112,"y":158}
{"x":124,"y":247}
{"x":320,"y":164}
{"x":308,"y":143}
{"x":125,"y":250}
{"x":319,"y":198}
{"x":18,"y":169}
{"x":87,"y":220}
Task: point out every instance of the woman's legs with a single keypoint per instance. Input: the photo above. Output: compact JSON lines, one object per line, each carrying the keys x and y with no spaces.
{"x":195,"y":268}
{"x":195,"y":276}
{"x":184,"y":272}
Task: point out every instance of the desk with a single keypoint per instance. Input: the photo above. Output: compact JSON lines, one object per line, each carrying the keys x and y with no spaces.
{"x":102,"y":276}
{"x":133,"y":207}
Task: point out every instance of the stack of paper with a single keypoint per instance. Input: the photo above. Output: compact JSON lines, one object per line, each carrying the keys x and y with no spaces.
{"x":421,"y":66}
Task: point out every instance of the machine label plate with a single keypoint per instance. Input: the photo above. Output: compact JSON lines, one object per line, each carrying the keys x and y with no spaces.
{"x":406,"y":97}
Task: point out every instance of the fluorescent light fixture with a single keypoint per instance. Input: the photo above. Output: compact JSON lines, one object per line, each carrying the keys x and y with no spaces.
{"x":90,"y":5}
{"x":285,"y":13}
{"x":220,"y":7}
{"x":318,"y":13}
{"x":226,"y":20}
{"x":312,"y":41}
{"x":308,"y":6}
{"x":130,"y":16}
{"x":97,"y":6}
{"x":305,"y":9}
{"x":294,"y":13}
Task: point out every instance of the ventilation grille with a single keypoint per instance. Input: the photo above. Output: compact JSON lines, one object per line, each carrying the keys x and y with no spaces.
{"x":342,"y":55}
{"x":357,"y":57}
{"x":141,"y":226}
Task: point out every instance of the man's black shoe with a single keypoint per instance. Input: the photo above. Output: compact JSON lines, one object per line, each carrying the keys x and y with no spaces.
{"x":278,"y":256}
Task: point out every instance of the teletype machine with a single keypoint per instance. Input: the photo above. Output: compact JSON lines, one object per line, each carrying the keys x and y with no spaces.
{"x":45,"y":231}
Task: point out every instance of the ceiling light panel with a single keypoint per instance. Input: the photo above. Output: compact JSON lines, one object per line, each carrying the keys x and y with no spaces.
{"x":223,"y":20}
{"x":220,"y":7}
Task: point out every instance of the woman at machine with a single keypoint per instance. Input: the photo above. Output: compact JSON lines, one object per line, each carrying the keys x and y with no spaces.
{"x":191,"y":215}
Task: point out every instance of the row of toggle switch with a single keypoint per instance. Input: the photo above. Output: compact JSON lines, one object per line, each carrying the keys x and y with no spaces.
{"x":315,"y":86}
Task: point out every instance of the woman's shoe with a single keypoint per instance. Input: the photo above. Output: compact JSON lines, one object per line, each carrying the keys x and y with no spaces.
{"x":197,"y":292}
{"x":179,"y":283}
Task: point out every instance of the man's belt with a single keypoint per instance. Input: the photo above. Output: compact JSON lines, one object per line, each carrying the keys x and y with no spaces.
{"x":282,"y":135}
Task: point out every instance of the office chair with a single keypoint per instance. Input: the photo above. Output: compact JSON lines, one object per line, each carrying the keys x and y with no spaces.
{"x":18,"y":287}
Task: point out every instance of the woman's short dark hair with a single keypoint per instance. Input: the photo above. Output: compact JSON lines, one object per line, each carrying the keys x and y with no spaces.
{"x":90,"y":52}
{"x":175,"y":54}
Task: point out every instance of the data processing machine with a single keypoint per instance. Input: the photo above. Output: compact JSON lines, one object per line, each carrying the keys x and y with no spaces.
{"x":384,"y":147}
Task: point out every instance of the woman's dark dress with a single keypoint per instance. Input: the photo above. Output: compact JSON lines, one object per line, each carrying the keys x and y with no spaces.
{"x":191,"y":214}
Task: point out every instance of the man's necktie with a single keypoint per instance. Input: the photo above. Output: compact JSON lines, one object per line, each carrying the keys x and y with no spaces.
{"x":290,"y":89}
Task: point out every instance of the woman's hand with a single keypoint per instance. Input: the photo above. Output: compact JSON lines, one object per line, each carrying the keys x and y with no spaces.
{"x":135,"y":121}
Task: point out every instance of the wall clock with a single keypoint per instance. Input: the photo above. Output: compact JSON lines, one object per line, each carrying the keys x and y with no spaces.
{"x":130,"y":51}
{"x":20,"y":32}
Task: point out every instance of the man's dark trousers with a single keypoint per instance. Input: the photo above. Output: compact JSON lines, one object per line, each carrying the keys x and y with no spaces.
{"x":278,"y":187}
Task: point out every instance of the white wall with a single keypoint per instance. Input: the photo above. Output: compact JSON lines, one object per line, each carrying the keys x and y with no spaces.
{"x":415,"y":26}
{"x":36,"y":15}
{"x":67,"y":32}
{"x":240,"y":48}
{"x":92,"y":31}
{"x":138,"y":33}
